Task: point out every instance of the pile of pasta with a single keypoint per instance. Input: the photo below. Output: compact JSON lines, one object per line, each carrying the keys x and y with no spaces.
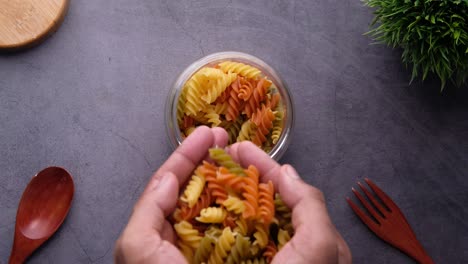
{"x":225,"y":215}
{"x":235,"y":96}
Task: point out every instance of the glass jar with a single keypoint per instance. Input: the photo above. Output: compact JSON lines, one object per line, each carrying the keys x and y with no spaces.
{"x":172,"y":127}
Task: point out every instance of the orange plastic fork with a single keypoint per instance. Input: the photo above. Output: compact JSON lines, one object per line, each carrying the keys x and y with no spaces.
{"x":390,"y":224}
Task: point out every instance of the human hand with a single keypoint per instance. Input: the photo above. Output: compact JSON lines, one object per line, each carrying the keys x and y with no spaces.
{"x":316,"y":239}
{"x":148,"y":236}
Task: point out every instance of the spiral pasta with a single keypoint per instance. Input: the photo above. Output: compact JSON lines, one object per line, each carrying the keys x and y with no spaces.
{"x":263,"y":119}
{"x":234,"y":103}
{"x":255,"y":100}
{"x":228,"y":95}
{"x":247,"y":131}
{"x":230,"y":180}
{"x":261,"y":235}
{"x":254,"y":261}
{"x":186,"y":250}
{"x":212,"y":116}
{"x":239,"y":251}
{"x":277,"y":127}
{"x":220,"y":109}
{"x":187,"y":213}
{"x":217,"y":84}
{"x":212,"y":215}
{"x":250,"y":193}
{"x":193,"y":190}
{"x":213,"y":232}
{"x":270,"y":251}
{"x":220,"y":156}
{"x":181,"y":107}
{"x":216,"y":189}
{"x":230,"y":221}
{"x":240,"y":68}
{"x":242,"y":227}
{"x":235,"y":219}
{"x":273,"y":100}
{"x":194,"y":89}
{"x":222,"y":247}
{"x":246,"y":89}
{"x":234,"y":204}
{"x":266,"y":205}
{"x":283,"y":213}
{"x":204,"y":250}
{"x":188,"y":234}
{"x":233,"y":130}
{"x":283,"y":238}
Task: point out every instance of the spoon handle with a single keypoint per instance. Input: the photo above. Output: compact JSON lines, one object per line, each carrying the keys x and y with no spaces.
{"x":23,"y":247}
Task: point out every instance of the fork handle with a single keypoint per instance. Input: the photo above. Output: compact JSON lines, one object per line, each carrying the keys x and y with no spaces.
{"x":425,"y":259}
{"x":420,"y":255}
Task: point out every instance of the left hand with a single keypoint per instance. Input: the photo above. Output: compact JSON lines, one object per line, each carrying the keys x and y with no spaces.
{"x":148,"y":236}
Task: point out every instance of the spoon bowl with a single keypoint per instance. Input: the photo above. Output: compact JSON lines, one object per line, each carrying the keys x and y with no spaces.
{"x":43,"y":207}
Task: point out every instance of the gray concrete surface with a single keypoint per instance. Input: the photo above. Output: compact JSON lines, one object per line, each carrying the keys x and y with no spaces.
{"x":91,"y":99}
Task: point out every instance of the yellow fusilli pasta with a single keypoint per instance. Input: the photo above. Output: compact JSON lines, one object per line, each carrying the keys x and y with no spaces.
{"x":261,"y":235}
{"x":211,"y":116}
{"x":283,"y":238}
{"x":194,"y":89}
{"x":223,"y":247}
{"x":193,"y":190}
{"x":247,"y":131}
{"x":239,"y":251}
{"x":186,"y":250}
{"x":240,"y":68}
{"x":188,"y":234}
{"x":212,"y":215}
{"x":218,"y":81}
{"x":203,"y":252}
{"x":234,"y":204}
{"x":254,"y":261}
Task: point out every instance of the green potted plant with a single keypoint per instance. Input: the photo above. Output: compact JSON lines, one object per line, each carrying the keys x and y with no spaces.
{"x":433,"y":35}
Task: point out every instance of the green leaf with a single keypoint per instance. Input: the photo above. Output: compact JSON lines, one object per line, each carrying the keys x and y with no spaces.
{"x":432,"y":33}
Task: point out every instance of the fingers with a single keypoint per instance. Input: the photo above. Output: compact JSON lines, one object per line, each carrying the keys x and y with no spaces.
{"x":168,"y":233}
{"x":160,"y":196}
{"x":315,"y":237}
{"x":247,"y":153}
{"x":155,"y":205}
{"x":192,"y":150}
{"x":220,"y":137}
{"x":344,"y":253}
{"x":188,"y":154}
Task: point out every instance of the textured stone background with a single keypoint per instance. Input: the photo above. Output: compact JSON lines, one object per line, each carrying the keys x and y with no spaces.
{"x":91,"y":99}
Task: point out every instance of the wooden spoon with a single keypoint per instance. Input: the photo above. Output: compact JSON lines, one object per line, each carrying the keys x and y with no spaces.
{"x":42,"y":209}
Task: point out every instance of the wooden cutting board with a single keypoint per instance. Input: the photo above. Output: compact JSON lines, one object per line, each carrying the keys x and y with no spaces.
{"x":25,"y":23}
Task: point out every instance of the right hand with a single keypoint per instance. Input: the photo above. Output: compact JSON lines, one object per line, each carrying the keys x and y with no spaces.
{"x":316,"y":239}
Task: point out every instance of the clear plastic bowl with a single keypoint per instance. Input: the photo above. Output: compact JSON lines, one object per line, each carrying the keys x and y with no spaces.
{"x":172,"y":127}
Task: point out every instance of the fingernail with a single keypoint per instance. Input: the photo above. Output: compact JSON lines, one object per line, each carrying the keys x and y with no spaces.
{"x":292,"y":173}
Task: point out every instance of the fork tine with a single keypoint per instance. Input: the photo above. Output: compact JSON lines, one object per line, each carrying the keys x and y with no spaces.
{"x":374,"y":201}
{"x":369,"y":207}
{"x":364,"y":218}
{"x":382,"y":195}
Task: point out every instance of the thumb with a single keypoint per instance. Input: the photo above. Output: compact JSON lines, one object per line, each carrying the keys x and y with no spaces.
{"x":314,"y":233}
{"x":157,"y":203}
{"x":294,"y":191}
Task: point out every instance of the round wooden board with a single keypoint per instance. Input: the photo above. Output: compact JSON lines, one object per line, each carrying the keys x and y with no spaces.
{"x":25,"y":23}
